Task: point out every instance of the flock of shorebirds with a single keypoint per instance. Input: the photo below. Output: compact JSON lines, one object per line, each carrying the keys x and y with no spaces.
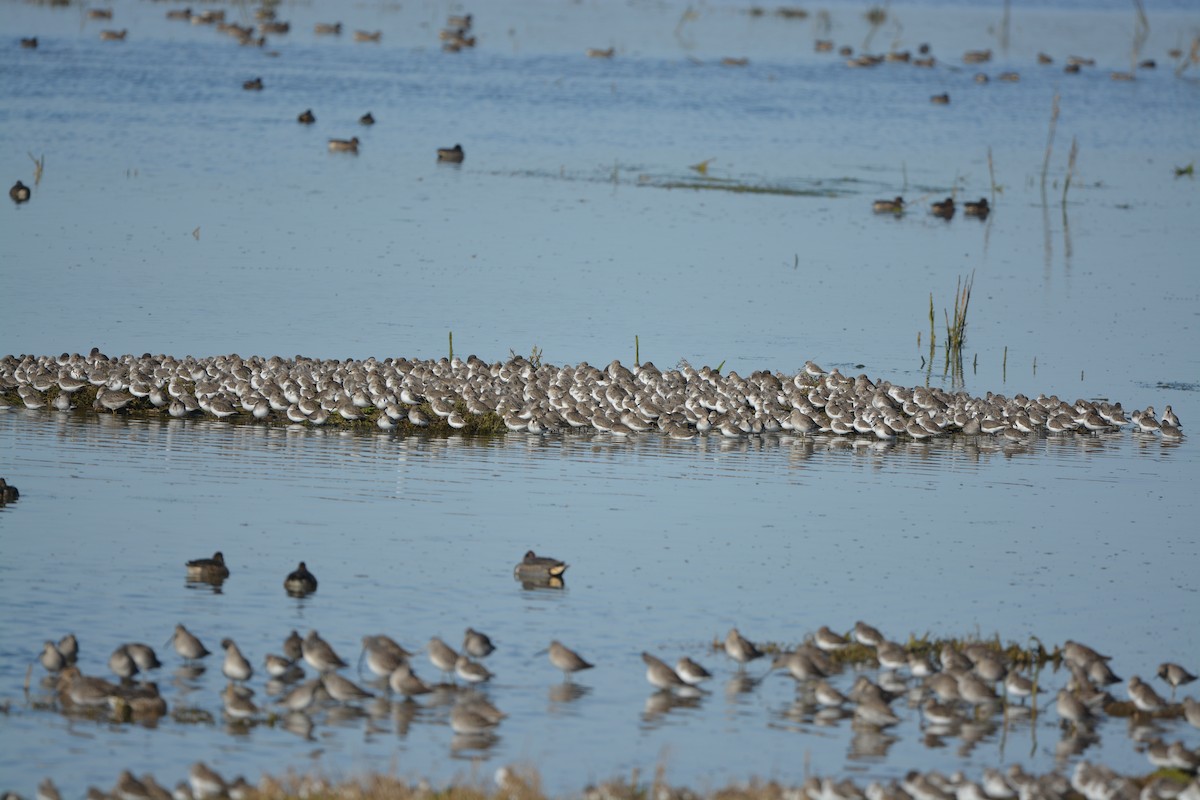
{"x":951,"y":689}
{"x":399,"y":394}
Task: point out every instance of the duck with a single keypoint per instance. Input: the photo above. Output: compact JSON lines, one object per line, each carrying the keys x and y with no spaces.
{"x":463,"y":21}
{"x":255,"y":85}
{"x":942,"y":99}
{"x":19,"y":192}
{"x":366,"y":119}
{"x":595,"y":52}
{"x":8,"y":493}
{"x":328,"y":29}
{"x":895,"y":206}
{"x":533,"y":566}
{"x":208,"y":569}
{"x":368,"y":36}
{"x":29,"y":43}
{"x":300,"y":581}
{"x":944,"y":209}
{"x":344,"y":145}
{"x":113,"y":36}
{"x":307,"y":117}
{"x":453,"y":155}
{"x":980,"y":209}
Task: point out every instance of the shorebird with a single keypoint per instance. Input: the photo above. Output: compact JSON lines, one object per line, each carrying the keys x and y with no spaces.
{"x":660,"y":675}
{"x":739,"y":648}
{"x":404,"y":681}
{"x":235,"y":667}
{"x":319,"y":654}
{"x":471,"y":671}
{"x":477,"y":644}
{"x":1144,"y":697}
{"x":565,"y":659}
{"x":186,"y":645}
{"x":442,"y":655}
{"x":691,"y":672}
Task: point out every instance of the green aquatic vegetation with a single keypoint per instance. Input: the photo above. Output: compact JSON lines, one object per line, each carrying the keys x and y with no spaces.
{"x":1190,"y":169}
{"x":737,"y":187}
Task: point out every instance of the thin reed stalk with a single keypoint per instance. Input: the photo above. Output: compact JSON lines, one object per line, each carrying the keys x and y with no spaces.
{"x":1070,"y":167}
{"x":1050,"y":138}
{"x":992,"y":175}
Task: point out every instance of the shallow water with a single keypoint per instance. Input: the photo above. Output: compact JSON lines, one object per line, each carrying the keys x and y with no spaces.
{"x":558,"y":231}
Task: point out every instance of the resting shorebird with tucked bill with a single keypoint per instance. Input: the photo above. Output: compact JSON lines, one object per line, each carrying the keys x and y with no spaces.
{"x":660,"y":674}
{"x":319,"y":654}
{"x":565,"y":659}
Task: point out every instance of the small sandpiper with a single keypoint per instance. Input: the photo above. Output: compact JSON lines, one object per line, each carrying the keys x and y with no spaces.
{"x":1175,"y":675}
{"x":319,"y":654}
{"x":739,"y":648}
{"x":477,"y":644}
{"x":471,"y":671}
{"x":404,"y":681}
{"x":660,"y":675}
{"x":1144,"y":697}
{"x":692,"y":673}
{"x":566,"y":659}
{"x":829,"y":641}
{"x":235,"y":667}
{"x":343,"y":689}
{"x":442,"y":655}
{"x":187,"y":645}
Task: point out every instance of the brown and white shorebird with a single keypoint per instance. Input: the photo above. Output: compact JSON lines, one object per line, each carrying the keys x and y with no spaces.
{"x":187,"y":645}
{"x":692,"y":673}
{"x":1175,"y":675}
{"x":739,"y":648}
{"x":1071,"y":709}
{"x":235,"y":666}
{"x":477,"y":644}
{"x":442,"y":655}
{"x":566,"y":659}
{"x":868,"y":635}
{"x":404,"y":681}
{"x":471,"y":671}
{"x":1144,"y":697}
{"x":320,"y":654}
{"x":660,"y":674}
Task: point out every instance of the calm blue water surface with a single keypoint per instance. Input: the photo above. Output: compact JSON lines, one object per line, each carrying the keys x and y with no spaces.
{"x":178,"y":213}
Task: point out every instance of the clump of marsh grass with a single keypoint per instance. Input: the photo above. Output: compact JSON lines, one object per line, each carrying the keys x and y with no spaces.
{"x":956,"y":327}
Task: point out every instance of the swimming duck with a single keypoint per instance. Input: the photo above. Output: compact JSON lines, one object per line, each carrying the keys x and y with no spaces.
{"x":595,"y":52}
{"x":942,"y":99}
{"x":100,"y":13}
{"x":366,"y":119}
{"x":328,"y":29}
{"x":113,"y":36}
{"x":29,"y":43}
{"x":889,"y":206}
{"x":344,"y":145}
{"x":208,"y":569}
{"x":533,"y":566}
{"x":255,"y":85}
{"x":8,"y":494}
{"x":368,"y":36}
{"x":980,"y":209}
{"x":454,"y":155}
{"x":306,"y":118}
{"x":300,"y":581}
{"x":19,"y":192}
{"x":944,"y":209}
{"x":463,"y":22}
